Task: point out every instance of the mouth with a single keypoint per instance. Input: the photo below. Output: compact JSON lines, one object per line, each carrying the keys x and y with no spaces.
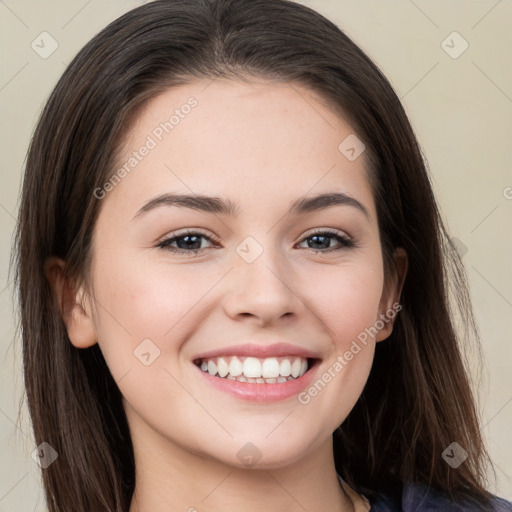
{"x":258,"y":379}
{"x":254,"y":370}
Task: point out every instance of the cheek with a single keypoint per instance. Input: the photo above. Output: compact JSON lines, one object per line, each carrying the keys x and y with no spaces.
{"x":140,"y":300}
{"x":346,"y":298}
{"x":347,"y":303}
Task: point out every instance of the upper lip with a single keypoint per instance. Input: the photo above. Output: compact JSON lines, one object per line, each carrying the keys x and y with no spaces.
{"x":261,"y":351}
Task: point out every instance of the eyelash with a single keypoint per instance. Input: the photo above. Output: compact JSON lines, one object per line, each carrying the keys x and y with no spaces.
{"x":345,"y":242}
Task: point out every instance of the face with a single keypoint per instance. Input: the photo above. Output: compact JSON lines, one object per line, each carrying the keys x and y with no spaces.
{"x":178,"y":285}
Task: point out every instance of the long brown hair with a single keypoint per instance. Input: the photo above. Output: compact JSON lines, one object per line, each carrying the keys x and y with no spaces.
{"x":417,"y":399}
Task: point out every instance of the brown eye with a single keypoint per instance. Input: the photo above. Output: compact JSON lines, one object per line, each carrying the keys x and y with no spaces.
{"x":188,"y":242}
{"x":320,"y":241}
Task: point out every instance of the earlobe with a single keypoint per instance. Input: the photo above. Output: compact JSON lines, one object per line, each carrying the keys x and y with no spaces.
{"x":390,"y":299}
{"x":71,"y":303}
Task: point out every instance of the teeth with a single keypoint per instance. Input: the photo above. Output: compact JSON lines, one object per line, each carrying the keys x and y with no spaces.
{"x":286,"y":368}
{"x":296,"y":366}
{"x":222,"y":367}
{"x":212,"y":368}
{"x":253,"y":370}
{"x":235,"y":367}
{"x":252,"y":367}
{"x":270,"y":368}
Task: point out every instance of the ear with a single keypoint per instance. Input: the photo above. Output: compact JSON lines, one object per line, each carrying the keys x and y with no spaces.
{"x":392,"y":289}
{"x":73,"y":304}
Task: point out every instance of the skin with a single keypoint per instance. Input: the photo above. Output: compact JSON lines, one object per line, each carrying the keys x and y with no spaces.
{"x":263,"y":145}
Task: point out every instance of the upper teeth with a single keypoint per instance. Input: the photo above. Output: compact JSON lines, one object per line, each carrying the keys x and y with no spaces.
{"x":252,"y":367}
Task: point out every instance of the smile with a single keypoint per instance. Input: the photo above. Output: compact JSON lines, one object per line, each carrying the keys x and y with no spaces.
{"x":253,"y":370}
{"x":248,"y":380}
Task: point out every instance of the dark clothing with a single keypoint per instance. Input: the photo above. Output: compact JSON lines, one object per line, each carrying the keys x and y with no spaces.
{"x":418,"y":498}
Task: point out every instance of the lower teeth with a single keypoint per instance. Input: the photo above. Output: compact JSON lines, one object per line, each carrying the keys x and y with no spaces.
{"x":260,"y":380}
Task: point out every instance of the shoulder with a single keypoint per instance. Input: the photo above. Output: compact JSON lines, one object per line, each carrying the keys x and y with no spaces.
{"x":420,"y":498}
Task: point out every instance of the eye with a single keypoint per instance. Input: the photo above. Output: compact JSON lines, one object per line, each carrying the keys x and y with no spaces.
{"x":188,"y":242}
{"x":322,"y":238}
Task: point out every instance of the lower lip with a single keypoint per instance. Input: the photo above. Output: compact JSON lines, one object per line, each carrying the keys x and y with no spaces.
{"x":261,"y":392}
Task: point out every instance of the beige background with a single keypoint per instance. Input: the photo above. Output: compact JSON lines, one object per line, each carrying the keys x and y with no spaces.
{"x":461,"y":111}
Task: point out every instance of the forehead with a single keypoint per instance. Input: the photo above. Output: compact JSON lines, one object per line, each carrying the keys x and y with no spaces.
{"x":244,"y":140}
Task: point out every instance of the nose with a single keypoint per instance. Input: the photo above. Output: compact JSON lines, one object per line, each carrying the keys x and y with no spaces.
{"x":262,"y":291}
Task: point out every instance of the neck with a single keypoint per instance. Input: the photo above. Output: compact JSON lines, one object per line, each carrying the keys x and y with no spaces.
{"x":170,"y":478}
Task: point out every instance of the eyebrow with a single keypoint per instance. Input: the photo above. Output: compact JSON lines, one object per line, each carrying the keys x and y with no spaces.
{"x":217,"y":205}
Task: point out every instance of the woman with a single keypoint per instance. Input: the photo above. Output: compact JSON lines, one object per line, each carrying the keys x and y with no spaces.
{"x":304,"y":358}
